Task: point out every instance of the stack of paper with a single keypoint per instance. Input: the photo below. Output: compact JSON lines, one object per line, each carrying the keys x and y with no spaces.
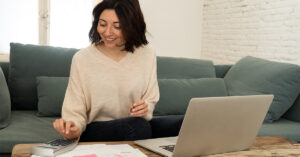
{"x":103,"y":150}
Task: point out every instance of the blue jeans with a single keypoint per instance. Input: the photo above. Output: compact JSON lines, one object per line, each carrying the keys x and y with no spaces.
{"x":166,"y":126}
{"x":132,"y":128}
{"x":125,"y":129}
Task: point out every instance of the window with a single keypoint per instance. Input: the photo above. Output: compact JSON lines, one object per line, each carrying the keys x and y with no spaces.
{"x":67,"y":23}
{"x":70,"y":22}
{"x":18,"y":22}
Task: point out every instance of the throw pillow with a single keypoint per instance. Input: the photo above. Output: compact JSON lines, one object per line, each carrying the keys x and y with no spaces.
{"x":51,"y":93}
{"x":254,"y":76}
{"x":5,"y":106}
{"x":175,"y":94}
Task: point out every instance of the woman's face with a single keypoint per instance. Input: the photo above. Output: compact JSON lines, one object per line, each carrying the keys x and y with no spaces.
{"x":109,"y":29}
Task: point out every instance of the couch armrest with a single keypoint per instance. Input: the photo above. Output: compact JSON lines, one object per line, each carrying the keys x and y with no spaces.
{"x":5,"y":104}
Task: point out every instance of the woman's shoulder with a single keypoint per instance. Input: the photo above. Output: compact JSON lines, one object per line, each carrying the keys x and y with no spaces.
{"x":84,"y":53}
{"x":146,"y":50}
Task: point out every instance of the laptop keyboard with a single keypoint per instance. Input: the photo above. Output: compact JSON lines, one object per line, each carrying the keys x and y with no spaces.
{"x":168,"y":147}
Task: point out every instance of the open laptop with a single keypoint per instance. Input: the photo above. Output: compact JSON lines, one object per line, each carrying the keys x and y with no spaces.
{"x":215,"y":125}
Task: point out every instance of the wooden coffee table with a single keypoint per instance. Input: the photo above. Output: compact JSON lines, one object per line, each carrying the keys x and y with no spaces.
{"x":266,"y":146}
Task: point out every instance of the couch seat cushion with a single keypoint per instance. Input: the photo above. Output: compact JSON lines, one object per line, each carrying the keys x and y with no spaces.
{"x":282,"y":127}
{"x":26,"y":127}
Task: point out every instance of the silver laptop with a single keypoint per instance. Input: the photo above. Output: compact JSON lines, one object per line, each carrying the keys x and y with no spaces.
{"x":215,"y":125}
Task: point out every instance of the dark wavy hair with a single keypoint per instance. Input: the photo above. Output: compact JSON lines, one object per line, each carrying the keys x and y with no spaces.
{"x":131,"y":21}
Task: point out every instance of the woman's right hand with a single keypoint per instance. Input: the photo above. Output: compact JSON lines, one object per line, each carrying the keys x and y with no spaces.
{"x":67,"y":129}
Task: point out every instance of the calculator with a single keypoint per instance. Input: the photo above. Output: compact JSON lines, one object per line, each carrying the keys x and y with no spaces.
{"x":54,"y":147}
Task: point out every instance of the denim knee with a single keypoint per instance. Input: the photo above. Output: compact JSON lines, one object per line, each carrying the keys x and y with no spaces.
{"x":138,"y":128}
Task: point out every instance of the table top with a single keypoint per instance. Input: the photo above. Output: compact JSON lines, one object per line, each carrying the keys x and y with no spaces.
{"x":265,"y":146}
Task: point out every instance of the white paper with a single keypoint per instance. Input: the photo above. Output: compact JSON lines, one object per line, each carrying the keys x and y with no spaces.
{"x":102,"y":150}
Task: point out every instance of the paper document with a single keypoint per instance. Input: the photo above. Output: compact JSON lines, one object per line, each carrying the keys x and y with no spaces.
{"x":103,"y":150}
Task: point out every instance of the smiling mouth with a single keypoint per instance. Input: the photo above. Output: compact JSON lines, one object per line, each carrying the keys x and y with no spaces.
{"x":110,"y":39}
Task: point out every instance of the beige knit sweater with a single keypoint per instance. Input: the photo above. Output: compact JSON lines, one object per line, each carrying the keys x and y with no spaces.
{"x":101,"y":89}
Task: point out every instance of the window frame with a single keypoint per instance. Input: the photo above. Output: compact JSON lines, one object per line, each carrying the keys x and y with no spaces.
{"x":44,"y":22}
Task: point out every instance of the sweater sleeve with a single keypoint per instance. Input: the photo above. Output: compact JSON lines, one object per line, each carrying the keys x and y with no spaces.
{"x":74,"y":106}
{"x":151,"y":96}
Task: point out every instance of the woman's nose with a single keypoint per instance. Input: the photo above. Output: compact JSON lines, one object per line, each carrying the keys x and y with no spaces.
{"x":108,"y":31}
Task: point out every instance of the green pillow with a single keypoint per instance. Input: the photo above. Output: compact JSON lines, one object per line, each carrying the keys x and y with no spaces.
{"x":254,"y":76}
{"x":184,"y":68}
{"x":51,"y":93}
{"x":175,"y":94}
{"x":294,"y":112}
{"x":5,"y":106}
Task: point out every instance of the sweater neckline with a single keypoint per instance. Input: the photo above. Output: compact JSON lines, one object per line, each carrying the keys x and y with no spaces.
{"x":110,"y":60}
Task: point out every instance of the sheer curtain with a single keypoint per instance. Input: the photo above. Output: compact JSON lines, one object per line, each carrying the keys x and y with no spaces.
{"x":18,"y":23}
{"x":70,"y":22}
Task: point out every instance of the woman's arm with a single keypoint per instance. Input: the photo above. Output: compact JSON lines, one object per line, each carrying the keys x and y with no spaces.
{"x":74,"y":109}
{"x":151,"y":95}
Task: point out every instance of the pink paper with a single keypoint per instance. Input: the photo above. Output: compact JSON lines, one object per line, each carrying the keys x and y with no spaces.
{"x":89,"y":155}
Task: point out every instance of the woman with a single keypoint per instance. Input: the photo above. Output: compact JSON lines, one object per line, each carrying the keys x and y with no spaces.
{"x":113,"y":86}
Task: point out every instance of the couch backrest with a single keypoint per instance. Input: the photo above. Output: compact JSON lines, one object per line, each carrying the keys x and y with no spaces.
{"x":29,"y":61}
{"x":184,"y":68}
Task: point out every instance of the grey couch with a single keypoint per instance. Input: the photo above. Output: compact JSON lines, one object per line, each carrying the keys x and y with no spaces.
{"x":31,"y":92}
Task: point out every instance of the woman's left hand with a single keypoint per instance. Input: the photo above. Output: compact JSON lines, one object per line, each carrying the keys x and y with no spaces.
{"x":139,"y":109}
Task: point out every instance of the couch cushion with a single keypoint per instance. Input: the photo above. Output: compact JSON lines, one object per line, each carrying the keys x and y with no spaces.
{"x":26,"y":127}
{"x":294,"y":112}
{"x":5,"y":107}
{"x":281,"y":127}
{"x":221,"y":70}
{"x":254,"y":76}
{"x":175,"y":94}
{"x":169,"y":67}
{"x":51,"y":93}
{"x":29,"y":61}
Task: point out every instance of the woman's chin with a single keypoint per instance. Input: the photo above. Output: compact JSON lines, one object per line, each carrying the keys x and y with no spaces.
{"x":110,"y":45}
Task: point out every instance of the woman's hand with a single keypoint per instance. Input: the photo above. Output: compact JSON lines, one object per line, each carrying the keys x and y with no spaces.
{"x":67,"y":129}
{"x":139,"y":109}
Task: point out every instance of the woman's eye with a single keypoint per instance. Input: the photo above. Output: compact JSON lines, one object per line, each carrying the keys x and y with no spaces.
{"x":117,"y":27}
{"x":102,"y":25}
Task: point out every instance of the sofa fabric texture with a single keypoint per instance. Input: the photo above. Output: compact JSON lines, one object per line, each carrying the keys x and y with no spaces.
{"x":282,"y":127}
{"x":51,"y":93}
{"x":254,"y":76}
{"x":29,"y":61}
{"x":5,"y":105}
{"x":294,"y":112}
{"x":175,"y":94}
{"x":170,"y":67}
{"x":26,"y":127}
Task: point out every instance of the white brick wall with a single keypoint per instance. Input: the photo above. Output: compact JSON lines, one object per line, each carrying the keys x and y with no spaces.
{"x":267,"y":29}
